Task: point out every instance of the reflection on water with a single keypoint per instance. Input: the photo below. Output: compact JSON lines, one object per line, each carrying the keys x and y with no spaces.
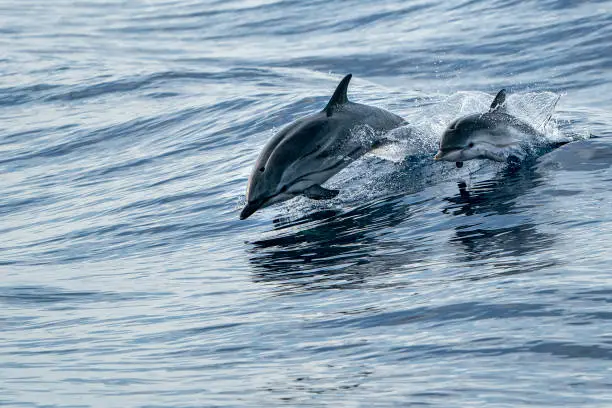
{"x":333,"y":252}
{"x":332,"y":249}
{"x":502,"y":241}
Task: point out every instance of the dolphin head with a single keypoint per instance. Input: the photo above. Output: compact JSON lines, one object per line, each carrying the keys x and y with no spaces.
{"x":460,"y":141}
{"x":265,"y":186}
{"x":273,"y":178}
{"x":479,"y":136}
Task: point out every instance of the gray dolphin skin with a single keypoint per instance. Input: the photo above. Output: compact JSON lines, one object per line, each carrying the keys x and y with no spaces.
{"x":494,"y":135}
{"x":310,"y":150}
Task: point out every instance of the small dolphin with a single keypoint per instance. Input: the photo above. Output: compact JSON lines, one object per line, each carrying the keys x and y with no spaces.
{"x":494,"y":135}
{"x":310,"y":150}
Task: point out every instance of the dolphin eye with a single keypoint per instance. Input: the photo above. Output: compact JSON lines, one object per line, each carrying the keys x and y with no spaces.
{"x":262,"y":169}
{"x":471,"y":145}
{"x":283,"y":189}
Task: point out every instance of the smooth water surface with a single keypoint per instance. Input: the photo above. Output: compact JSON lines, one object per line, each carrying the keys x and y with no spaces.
{"x":128,"y":130}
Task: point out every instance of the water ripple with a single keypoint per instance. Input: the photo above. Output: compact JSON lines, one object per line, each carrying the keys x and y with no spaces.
{"x":127,"y":136}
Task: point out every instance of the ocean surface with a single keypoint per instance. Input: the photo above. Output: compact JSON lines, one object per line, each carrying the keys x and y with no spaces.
{"x":128,"y":130}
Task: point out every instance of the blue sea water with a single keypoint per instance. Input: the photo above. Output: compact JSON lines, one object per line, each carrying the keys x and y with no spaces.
{"x":127,"y":133}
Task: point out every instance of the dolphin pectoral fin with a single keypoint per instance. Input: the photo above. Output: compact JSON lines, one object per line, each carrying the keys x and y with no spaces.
{"x":498,"y":104}
{"x":339,"y":97}
{"x":317,"y":192}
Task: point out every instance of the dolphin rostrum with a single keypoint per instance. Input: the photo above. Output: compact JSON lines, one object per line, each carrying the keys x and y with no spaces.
{"x":310,"y":150}
{"x":494,"y":135}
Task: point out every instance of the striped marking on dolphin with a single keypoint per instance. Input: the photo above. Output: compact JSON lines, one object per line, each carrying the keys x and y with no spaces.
{"x":309,"y":151}
{"x":494,"y":135}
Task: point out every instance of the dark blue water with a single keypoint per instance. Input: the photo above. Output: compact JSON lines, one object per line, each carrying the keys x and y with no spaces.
{"x":127,"y":133}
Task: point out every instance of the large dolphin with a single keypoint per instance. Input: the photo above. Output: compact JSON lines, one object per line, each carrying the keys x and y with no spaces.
{"x":494,"y":135}
{"x":310,"y":150}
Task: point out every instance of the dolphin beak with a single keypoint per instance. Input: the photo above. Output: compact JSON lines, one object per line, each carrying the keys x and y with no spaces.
{"x":249,"y":209}
{"x":438,"y":155}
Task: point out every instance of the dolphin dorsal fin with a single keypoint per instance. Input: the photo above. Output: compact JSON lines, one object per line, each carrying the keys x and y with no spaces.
{"x":339,"y":97}
{"x":499,"y":102}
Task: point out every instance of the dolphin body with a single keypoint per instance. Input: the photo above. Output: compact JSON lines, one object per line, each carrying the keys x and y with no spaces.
{"x":312,"y":149}
{"x":494,"y":135}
